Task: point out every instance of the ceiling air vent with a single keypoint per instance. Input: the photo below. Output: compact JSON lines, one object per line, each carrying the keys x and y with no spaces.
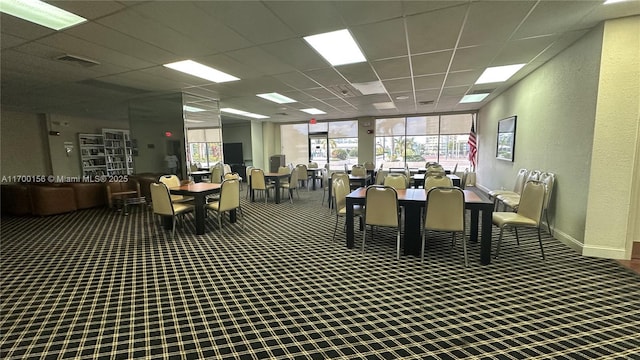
{"x":426,"y":102}
{"x":77,"y":60}
{"x":282,"y":114}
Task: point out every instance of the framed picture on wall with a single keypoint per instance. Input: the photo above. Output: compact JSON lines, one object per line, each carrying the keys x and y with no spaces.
{"x":506,"y":143}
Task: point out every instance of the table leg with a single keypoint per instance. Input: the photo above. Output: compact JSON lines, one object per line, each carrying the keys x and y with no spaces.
{"x":473,"y":236}
{"x":412,"y":239}
{"x":313,"y":178}
{"x":349,"y":221}
{"x":200,"y":212}
{"x":233,"y":216}
{"x":252,"y":194}
{"x":277,"y":190}
{"x":485,"y":241}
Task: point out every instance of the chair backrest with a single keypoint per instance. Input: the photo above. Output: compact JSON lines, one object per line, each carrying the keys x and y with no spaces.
{"x":302,"y":171}
{"x":455,"y":169}
{"x":469,"y":179}
{"x":380,"y":176}
{"x":257,"y":179}
{"x":169,"y":180}
{"x":313,"y":165}
{"x":247,"y":172}
{"x":381,"y":206}
{"x":229,"y":195}
{"x":532,"y":200}
{"x":216,"y":174}
{"x":284,"y":170}
{"x":437,"y":181}
{"x":161,"y":199}
{"x":430,"y":163}
{"x":358,"y":170}
{"x":293,"y":180}
{"x":339,"y":175}
{"x":193,"y":167}
{"x":444,"y":210}
{"x":226,"y":168}
{"x":521,"y":178}
{"x":369,"y":165}
{"x":533,"y":175}
{"x":396,"y":180}
{"x":548,"y":179}
{"x":232,"y":175}
{"x":340,"y":191}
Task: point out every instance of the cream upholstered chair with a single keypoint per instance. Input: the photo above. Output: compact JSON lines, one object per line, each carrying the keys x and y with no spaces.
{"x":397,"y":181}
{"x":226,"y":168}
{"x":511,"y":200}
{"x":229,"y":200}
{"x":312,"y":165}
{"x":358,"y":170}
{"x":529,"y":213}
{"x":258,"y":183}
{"x":339,"y":194}
{"x":303,"y":175}
{"x":381,"y":209}
{"x":325,"y":181}
{"x":163,"y":206}
{"x":437,"y":180}
{"x":232,"y":175}
{"x":173,"y":181}
{"x":468,"y":179}
{"x":291,"y":185}
{"x":284,"y":170}
{"x":444,"y":211}
{"x":380,"y":176}
{"x":334,"y":177}
{"x":216,"y":174}
{"x":369,"y":165}
{"x":248,"y":175}
{"x":521,"y":178}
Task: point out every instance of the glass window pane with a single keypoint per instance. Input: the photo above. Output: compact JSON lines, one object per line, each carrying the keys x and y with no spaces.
{"x":195,"y":135}
{"x":423,"y":125}
{"x":454,"y":150}
{"x":318,"y":127}
{"x":390,"y":127}
{"x":455,"y":124}
{"x":342,"y":129}
{"x":390,"y":151}
{"x":214,"y":153}
{"x":343,"y":151}
{"x":213,"y":135}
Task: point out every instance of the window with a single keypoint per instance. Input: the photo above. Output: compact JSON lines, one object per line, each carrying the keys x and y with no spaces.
{"x":295,"y":143}
{"x":413,"y":141}
{"x":343,"y":144}
{"x":204,"y":146}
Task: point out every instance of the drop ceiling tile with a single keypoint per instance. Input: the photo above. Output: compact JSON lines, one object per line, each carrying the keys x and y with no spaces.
{"x":305,"y":57}
{"x":9,"y":41}
{"x":431,"y":63}
{"x":231,"y":66}
{"x":303,"y":16}
{"x":89,"y":9}
{"x":327,"y":77}
{"x":455,"y":90}
{"x":429,"y":82}
{"x":398,"y":85}
{"x":522,"y":51}
{"x":381,"y":40}
{"x":21,"y":28}
{"x":437,"y":30}
{"x":392,"y":68}
{"x":365,"y":12}
{"x":463,"y":78}
{"x":427,"y":95}
{"x":474,"y":57}
{"x":320,"y":93}
{"x":257,"y":58}
{"x":481,"y":26}
{"x":297,"y":80}
{"x":553,"y":17}
{"x":357,"y":73}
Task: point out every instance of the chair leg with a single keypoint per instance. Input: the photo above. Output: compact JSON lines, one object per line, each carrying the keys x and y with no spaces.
{"x":220,"y":219}
{"x":540,"y":241}
{"x":364,"y":237}
{"x":546,"y":216}
{"x":335,"y":229}
{"x":424,"y":241}
{"x":499,"y":242}
{"x":398,"y":245}
{"x":517,"y":237}
{"x":464,"y":250}
{"x":173,"y":227}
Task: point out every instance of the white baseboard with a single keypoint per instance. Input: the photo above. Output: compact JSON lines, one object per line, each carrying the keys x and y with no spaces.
{"x":570,"y":241}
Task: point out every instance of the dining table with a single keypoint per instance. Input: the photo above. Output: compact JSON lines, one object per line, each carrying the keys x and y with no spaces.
{"x":418,"y":179}
{"x":199,"y":175}
{"x":313,"y":174}
{"x":361,"y":181}
{"x":199,"y":192}
{"x":414,"y":200}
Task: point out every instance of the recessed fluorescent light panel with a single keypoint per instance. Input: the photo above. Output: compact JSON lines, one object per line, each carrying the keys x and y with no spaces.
{"x":613,"y":1}
{"x":498,"y":73}
{"x":41,"y":13}
{"x":313,"y":111}
{"x":384,"y":105}
{"x":472,"y":98}
{"x":276,"y":98}
{"x":243,"y":113}
{"x":337,"y":47}
{"x":192,"y":108}
{"x":370,"y":88}
{"x":202,"y":71}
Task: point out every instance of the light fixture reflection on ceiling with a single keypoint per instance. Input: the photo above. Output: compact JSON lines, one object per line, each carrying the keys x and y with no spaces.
{"x":613,"y":1}
{"x":193,"y":121}
{"x":313,"y":111}
{"x":276,"y":98}
{"x":472,"y":98}
{"x":243,"y":113}
{"x":41,"y":13}
{"x":192,"y":108}
{"x":337,"y":47}
{"x":498,"y":73}
{"x":384,"y":105}
{"x":202,"y":71}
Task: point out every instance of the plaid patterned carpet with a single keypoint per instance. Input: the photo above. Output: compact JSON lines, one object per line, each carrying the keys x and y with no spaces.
{"x":95,"y":284}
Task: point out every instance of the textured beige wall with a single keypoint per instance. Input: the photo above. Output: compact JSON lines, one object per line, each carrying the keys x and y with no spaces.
{"x":611,"y":210}
{"x":555,"y":106}
{"x":24,"y":146}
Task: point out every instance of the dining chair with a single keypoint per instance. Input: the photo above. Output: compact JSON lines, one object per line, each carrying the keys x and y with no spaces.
{"x":226,"y":168}
{"x":339,"y":194}
{"x":334,"y":177}
{"x":291,"y":185}
{"x":381,"y":209}
{"x":431,"y":181}
{"x":445,"y":212}
{"x":217,"y":171}
{"x":163,"y":206}
{"x":380,"y":176}
{"x":173,"y":181}
{"x":284,"y":170}
{"x":325,"y":189}
{"x":303,"y":176}
{"x":229,"y":200}
{"x":313,"y":165}
{"x":528,"y":215}
{"x":369,"y":165}
{"x":258,"y":183}
{"x":521,"y":178}
{"x":511,"y":200}
{"x":396,"y":180}
{"x":248,"y":175}
{"x":358,"y":170}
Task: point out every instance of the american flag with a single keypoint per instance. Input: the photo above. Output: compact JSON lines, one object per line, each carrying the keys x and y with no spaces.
{"x":473,"y":147}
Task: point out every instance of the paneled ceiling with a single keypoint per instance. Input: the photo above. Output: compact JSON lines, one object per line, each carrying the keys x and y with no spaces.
{"x":427,"y":54}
